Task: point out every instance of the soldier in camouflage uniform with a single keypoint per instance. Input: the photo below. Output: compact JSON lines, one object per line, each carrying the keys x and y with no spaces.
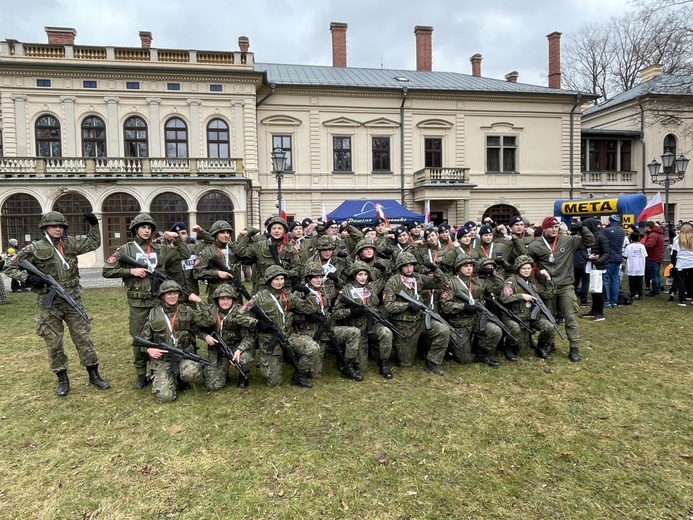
{"x":379,"y":269}
{"x":519,"y":240}
{"x":140,"y":286}
{"x":225,"y":311}
{"x":176,"y":324}
{"x":56,"y":255}
{"x":222,"y":249}
{"x":409,"y":319}
{"x":182,"y":270}
{"x":334,"y":266}
{"x":361,"y":290}
{"x":465,"y":316}
{"x":279,"y":305}
{"x":490,"y":247}
{"x":402,"y":243}
{"x":519,"y":301}
{"x":316,"y":302}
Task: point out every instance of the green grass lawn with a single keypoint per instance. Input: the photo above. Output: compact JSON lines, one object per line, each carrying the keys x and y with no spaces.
{"x":610,"y":437}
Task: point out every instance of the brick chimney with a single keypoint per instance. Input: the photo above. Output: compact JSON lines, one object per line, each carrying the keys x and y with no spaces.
{"x":424,"y":48}
{"x":339,"y":44}
{"x":512,"y":76}
{"x":243,"y":43}
{"x":476,"y":64}
{"x":554,"y":59}
{"x":60,"y":35}
{"x":146,"y":39}
{"x":650,"y":72}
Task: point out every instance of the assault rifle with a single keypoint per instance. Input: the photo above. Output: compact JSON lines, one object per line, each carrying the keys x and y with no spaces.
{"x":228,"y":353}
{"x":327,"y":329}
{"x":510,"y":314}
{"x":216,"y":262}
{"x":429,"y":314}
{"x":53,"y":288}
{"x":486,"y":315}
{"x":157,"y":276}
{"x":370,"y":313}
{"x":171,"y":349}
{"x":540,"y":306}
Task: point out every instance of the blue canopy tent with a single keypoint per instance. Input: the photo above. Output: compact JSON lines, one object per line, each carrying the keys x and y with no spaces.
{"x":363,"y":212}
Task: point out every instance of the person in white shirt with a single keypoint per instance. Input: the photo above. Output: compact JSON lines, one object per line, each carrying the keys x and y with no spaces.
{"x":682,"y":260}
{"x":635,"y":255}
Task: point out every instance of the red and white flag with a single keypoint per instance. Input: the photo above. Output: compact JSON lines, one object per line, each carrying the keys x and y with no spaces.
{"x":283,"y":214}
{"x":427,"y":213}
{"x":653,"y":208}
{"x":381,"y":214}
{"x":325,"y":216}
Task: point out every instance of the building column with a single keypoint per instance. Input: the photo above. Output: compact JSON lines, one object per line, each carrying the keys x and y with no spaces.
{"x":71,"y":130}
{"x":112,"y":128}
{"x":238,"y":130}
{"x":194,"y":134}
{"x":155,"y":145}
{"x":20,"y":125}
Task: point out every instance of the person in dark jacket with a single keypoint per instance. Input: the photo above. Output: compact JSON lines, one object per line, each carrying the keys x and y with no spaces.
{"x":597,"y":258}
{"x":612,"y":279}
{"x":582,"y":278}
{"x":654,"y":245}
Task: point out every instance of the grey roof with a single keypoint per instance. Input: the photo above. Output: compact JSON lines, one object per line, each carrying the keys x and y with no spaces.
{"x":663,"y":85}
{"x":352,"y":77}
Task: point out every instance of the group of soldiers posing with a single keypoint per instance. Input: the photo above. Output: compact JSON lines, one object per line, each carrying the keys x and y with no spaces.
{"x":317,"y":288}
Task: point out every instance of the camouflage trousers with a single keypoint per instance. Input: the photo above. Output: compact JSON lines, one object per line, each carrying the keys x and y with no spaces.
{"x":49,"y":326}
{"x":436,"y":341}
{"x":349,"y":337}
{"x":383,"y":337}
{"x":307,"y":351}
{"x":138,"y":317}
{"x":461,"y":344}
{"x":164,"y":382}
{"x":216,"y":375}
{"x":523,"y":347}
{"x":567,"y":303}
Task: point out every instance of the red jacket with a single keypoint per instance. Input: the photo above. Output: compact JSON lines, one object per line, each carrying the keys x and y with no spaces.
{"x":654,"y":244}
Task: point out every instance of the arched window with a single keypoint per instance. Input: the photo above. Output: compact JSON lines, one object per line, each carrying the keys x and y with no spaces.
{"x":500,"y":213}
{"x":176,"y":138}
{"x":214,"y":206}
{"x":73,"y":206}
{"x":217,"y":139}
{"x":93,"y":137}
{"x":670,"y":144}
{"x":48,"y":137}
{"x":20,"y":218}
{"x":118,"y":210}
{"x":136,"y":137}
{"x":167,"y":209}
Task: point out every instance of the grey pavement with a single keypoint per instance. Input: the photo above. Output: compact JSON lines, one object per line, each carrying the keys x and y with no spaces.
{"x":91,"y":277}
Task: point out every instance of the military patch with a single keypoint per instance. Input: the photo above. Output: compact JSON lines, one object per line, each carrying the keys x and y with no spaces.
{"x":507,"y":290}
{"x":111,"y":260}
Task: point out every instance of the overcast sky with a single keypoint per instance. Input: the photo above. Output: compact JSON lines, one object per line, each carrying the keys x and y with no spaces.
{"x":510,"y":34}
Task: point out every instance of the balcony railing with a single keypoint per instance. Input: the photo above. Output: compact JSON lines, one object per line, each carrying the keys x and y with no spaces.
{"x":617,"y":179}
{"x":104,"y":168}
{"x":441,"y":176}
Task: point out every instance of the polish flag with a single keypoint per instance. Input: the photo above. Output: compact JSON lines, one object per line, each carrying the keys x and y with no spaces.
{"x":427,"y":213}
{"x":654,"y":207}
{"x":325,"y":216}
{"x":381,"y":214}
{"x":282,"y":214}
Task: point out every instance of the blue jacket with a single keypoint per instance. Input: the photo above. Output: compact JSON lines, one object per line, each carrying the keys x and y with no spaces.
{"x":615,"y":235}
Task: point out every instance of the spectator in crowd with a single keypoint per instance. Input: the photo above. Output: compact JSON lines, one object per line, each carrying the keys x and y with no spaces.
{"x":612,"y":278}
{"x":597,"y":259}
{"x":682,"y":260}
{"x":654,"y":244}
{"x":636,"y":259}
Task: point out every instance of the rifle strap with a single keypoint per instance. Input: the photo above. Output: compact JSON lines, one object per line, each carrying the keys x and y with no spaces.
{"x":275,"y":253}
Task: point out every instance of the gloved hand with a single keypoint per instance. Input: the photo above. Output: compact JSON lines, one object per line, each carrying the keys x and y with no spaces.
{"x":575,"y":228}
{"x":415,"y":307}
{"x":356,"y":312}
{"x":433,"y":267}
{"x":90,"y":218}
{"x":380,"y":266}
{"x":388,"y":252}
{"x":263,"y":326}
{"x":486,"y":271}
{"x":35,"y":281}
{"x":302,"y":289}
{"x":342,"y":254}
{"x":333,"y":277}
{"x":470,"y":308}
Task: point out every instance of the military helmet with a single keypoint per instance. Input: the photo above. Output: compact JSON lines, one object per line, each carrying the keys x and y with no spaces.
{"x":219,"y":226}
{"x":325,"y":242}
{"x":463,"y":259}
{"x":140,"y":220}
{"x":483,"y":262}
{"x":357,"y":267}
{"x":272,"y":272}
{"x":169,"y":286}
{"x":276,"y":220}
{"x":53,"y":218}
{"x":363,"y":244}
{"x":522,"y":260}
{"x":404,"y":259}
{"x":313,"y":269}
{"x":227,"y":290}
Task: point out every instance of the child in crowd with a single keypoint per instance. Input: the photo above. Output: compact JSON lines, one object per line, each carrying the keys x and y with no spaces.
{"x":635,"y":255}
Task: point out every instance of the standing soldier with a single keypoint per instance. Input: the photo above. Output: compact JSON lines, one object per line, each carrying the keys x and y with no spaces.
{"x":519,"y":240}
{"x":141,"y":287}
{"x":222,"y":249}
{"x":403,"y":242}
{"x":56,"y":255}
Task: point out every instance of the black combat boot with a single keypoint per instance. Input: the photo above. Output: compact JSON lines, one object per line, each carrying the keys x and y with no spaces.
{"x":511,"y":351}
{"x":63,"y":384}
{"x":299,"y":379}
{"x":350,"y":372}
{"x":243,"y":381}
{"x":542,"y":351}
{"x":95,"y":379}
{"x":142,"y":381}
{"x":385,"y":369}
{"x":433,"y":368}
{"x":182,"y":385}
{"x":483,"y":358}
{"x":574,"y":354}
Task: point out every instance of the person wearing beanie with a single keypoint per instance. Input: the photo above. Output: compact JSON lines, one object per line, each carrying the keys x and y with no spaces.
{"x":490,"y":247}
{"x":416,"y":231}
{"x":553,"y":254}
{"x":428,"y":254}
{"x":403,"y":242}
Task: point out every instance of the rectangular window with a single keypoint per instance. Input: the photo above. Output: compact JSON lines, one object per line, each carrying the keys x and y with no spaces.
{"x":284,"y":142}
{"x":172,"y":86}
{"x":381,"y":154}
{"x":433,"y":153}
{"x":501,"y":154}
{"x":625,"y":156}
{"x":341,"y":147}
{"x":132,"y":85}
{"x":602,"y":155}
{"x":89,"y":84}
{"x":215,"y":88}
{"x":43,"y":83}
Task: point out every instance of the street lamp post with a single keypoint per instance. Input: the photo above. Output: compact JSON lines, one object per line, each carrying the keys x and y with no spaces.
{"x":674,"y":171}
{"x":278,"y":165}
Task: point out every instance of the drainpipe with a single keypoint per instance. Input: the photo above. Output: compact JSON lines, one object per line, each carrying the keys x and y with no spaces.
{"x":642,"y":143}
{"x":572,"y":142}
{"x":272,"y":86}
{"x":401,"y":144}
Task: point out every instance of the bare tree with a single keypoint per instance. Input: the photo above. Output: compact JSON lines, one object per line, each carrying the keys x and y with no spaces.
{"x":587,"y":60}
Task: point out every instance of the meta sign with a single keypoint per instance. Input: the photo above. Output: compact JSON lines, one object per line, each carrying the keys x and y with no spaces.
{"x":628,"y":206}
